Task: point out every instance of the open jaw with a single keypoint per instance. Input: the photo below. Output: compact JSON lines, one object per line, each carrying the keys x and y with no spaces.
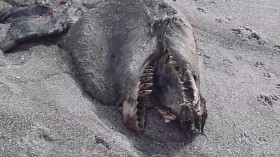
{"x":171,"y":81}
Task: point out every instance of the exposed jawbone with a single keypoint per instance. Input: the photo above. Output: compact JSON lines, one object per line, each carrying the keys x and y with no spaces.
{"x":174,"y":79}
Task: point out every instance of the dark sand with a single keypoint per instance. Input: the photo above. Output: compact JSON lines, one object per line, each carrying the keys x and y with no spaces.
{"x":44,"y":111}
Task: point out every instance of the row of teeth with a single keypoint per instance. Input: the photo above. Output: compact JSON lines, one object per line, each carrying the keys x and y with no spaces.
{"x":187,"y":84}
{"x":145,"y":88}
{"x":184,"y":83}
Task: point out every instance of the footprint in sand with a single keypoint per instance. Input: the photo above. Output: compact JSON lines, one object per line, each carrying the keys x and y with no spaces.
{"x":268,"y":100}
{"x":226,"y":20}
{"x":246,"y":139}
{"x":206,"y":59}
{"x":262,"y":140}
{"x":267,"y":75}
{"x":218,"y":20}
{"x":275,"y":97}
{"x":238,"y":58}
{"x":265,"y":100}
{"x":259,"y":64}
{"x":247,"y":33}
{"x":201,"y":10}
{"x":226,"y":62}
{"x":38,"y":139}
{"x":212,"y":2}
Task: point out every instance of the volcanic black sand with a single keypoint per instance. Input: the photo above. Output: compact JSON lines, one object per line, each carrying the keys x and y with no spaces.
{"x":45,"y":112}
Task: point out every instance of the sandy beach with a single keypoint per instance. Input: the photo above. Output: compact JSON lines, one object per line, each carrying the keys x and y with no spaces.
{"x":44,"y":111}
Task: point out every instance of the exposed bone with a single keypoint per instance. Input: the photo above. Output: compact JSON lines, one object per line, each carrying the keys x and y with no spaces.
{"x":193,"y":86}
{"x":149,"y":70}
{"x":147,"y":75}
{"x":146,"y":79}
{"x":130,"y":117}
{"x":141,"y":113}
{"x":134,"y":108}
{"x":167,"y":120}
{"x":198,"y":109}
{"x":181,"y":82}
{"x":149,"y":67}
{"x":172,"y":62}
{"x":167,"y":115}
{"x":169,"y":60}
{"x":134,"y":111}
{"x":195,"y":90}
{"x":145,"y":86}
{"x":145,"y":92}
{"x":170,"y":57}
{"x":188,"y":84}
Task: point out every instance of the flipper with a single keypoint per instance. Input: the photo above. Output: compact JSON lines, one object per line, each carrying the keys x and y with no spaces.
{"x":30,"y":22}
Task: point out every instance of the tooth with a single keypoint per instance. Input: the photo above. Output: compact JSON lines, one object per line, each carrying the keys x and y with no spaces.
{"x":181,"y":81}
{"x":146,"y":79}
{"x":147,"y":75}
{"x":145,"y":86}
{"x":170,"y":62}
{"x":167,"y":120}
{"x":148,"y":70}
{"x":170,"y":57}
{"x":198,"y":109}
{"x":149,"y":67}
{"x":144,"y":92}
